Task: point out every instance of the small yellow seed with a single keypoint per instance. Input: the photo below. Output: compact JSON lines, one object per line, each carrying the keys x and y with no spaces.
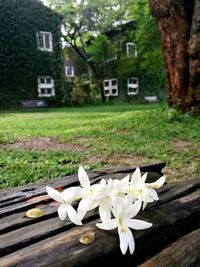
{"x":87,"y":238}
{"x":34,"y":213}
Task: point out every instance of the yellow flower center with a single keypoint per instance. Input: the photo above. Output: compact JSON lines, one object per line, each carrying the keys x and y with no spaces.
{"x":122,"y":225}
{"x":135,"y":192}
{"x":87,"y":192}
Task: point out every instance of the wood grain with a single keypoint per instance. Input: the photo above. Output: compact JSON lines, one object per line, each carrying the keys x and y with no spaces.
{"x":46,"y":241}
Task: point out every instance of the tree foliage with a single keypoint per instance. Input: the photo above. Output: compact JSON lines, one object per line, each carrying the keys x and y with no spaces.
{"x":85,"y":19}
{"x":86,"y":24}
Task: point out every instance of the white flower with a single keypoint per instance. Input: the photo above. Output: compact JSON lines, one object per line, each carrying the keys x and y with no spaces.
{"x":122,"y":221}
{"x":87,"y":202}
{"x":118,"y":187}
{"x":65,"y":199}
{"x":160,"y":182}
{"x":138,"y":189}
{"x":104,"y":197}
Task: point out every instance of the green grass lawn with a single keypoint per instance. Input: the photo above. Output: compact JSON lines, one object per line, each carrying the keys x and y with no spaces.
{"x":50,"y":143}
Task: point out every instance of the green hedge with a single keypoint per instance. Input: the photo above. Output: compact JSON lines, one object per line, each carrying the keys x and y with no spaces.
{"x":20,"y":60}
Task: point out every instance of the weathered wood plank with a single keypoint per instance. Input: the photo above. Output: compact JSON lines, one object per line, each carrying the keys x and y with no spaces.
{"x":18,"y":220}
{"x":64,"y":249}
{"x":184,"y":252}
{"x":47,"y":241}
{"x":23,"y":202}
{"x":167,"y":219}
{"x":15,"y":220}
{"x":38,"y":230}
{"x":27,"y":190}
{"x":38,"y":197}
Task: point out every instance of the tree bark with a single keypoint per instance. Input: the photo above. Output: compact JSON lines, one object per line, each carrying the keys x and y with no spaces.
{"x":179,"y":26}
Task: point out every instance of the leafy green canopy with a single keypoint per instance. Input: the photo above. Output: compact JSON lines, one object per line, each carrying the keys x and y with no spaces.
{"x":86,"y":24}
{"x":86,"y":19}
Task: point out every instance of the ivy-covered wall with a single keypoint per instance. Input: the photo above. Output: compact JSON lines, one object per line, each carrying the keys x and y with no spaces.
{"x":20,"y":60}
{"x":149,"y":71}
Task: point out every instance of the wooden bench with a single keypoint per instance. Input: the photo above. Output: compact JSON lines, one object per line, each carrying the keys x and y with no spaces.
{"x":151,"y":99}
{"x":34,"y":103}
{"x":174,"y":239}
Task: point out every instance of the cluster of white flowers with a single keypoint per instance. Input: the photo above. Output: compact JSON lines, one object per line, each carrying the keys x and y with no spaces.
{"x":118,"y":202}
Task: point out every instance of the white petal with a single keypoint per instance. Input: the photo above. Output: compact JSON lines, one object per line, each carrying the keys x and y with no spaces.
{"x":160,"y":182}
{"x":96,"y":187}
{"x":118,"y":205}
{"x":100,"y":195}
{"x":131,"y":241}
{"x":121,"y":186}
{"x":144,"y":205}
{"x":103,"y":182}
{"x":110,"y":182}
{"x":128,"y":201}
{"x":109,"y":225}
{"x":123,"y":239}
{"x":87,"y":204}
{"x":152,"y":192}
{"x":149,"y":195}
{"x":126,"y":179}
{"x":73,"y":216}
{"x":104,"y":212}
{"x":133,"y":210}
{"x":83,"y":177}
{"x":136,"y":177}
{"x":81,"y":214}
{"x":144,"y":177}
{"x":56,"y":195}
{"x":62,"y":212}
{"x":71,"y":194}
{"x":138,"y":224}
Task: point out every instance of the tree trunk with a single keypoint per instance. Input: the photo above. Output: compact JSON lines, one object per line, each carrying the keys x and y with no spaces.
{"x":179,"y":25}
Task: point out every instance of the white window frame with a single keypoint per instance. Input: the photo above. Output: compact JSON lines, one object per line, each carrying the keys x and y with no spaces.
{"x":129,"y":45}
{"x":72,"y":70}
{"x":134,"y":86}
{"x":43,"y":34}
{"x":108,"y":89}
{"x":45,"y":86}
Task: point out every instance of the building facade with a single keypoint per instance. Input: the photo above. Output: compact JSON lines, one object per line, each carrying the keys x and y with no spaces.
{"x":31,"y":62}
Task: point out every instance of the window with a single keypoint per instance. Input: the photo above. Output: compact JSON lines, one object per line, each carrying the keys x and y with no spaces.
{"x":110,"y":87}
{"x":69,"y":71}
{"x":44,"y":41}
{"x":113,"y":82}
{"x":131,"y":49}
{"x":132,"y":86}
{"x":46,"y":87}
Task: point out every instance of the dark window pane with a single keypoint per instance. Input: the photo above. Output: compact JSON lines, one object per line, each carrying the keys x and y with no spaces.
{"x":106,"y":92}
{"x":42,"y":80}
{"x":132,"y":90}
{"x":42,"y":91}
{"x":106,"y":83}
{"x":41,"y":41}
{"x":48,"y":80}
{"x":132,"y":81}
{"x":114,"y":82}
{"x":47,"y":40}
{"x":49,"y":91}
